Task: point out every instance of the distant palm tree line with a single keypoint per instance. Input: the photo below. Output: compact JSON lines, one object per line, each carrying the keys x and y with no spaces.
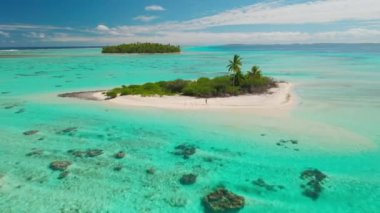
{"x":142,"y":48}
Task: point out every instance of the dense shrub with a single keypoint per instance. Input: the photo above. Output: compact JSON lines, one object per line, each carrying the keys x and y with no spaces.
{"x":221,"y":86}
{"x":111,"y":94}
{"x":174,"y":86}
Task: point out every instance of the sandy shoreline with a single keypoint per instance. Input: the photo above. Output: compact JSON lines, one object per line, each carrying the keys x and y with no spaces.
{"x":281,"y":96}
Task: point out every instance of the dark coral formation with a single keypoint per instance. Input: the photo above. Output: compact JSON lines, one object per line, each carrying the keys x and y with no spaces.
{"x":77,"y":153}
{"x":60,"y":165}
{"x":63,"y":174}
{"x":68,"y":131}
{"x":93,"y":152}
{"x":151,"y":171}
{"x":30,"y":132}
{"x":20,"y":111}
{"x":87,"y":153}
{"x":118,"y":168}
{"x":11,"y":106}
{"x":288,"y":143}
{"x":262,"y":184}
{"x":223,"y":200}
{"x":186,"y":150}
{"x":188,"y":179}
{"x":37,"y":152}
{"x":119,"y":155}
{"x":314,"y":185}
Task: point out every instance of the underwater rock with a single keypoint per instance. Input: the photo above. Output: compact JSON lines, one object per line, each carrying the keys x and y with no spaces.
{"x":37,"y":152}
{"x":63,"y":174}
{"x":223,"y":200}
{"x":87,"y":153}
{"x":208,"y":159}
{"x":119,"y":155}
{"x":69,"y":131}
{"x":288,"y":143}
{"x":118,"y":168}
{"x":262,"y":184}
{"x":188,"y":179}
{"x":20,"y":111}
{"x":11,"y":106}
{"x":186,"y":150}
{"x":60,"y":165}
{"x":30,"y":132}
{"x":93,"y":152}
{"x":151,"y":171}
{"x":77,"y":153}
{"x":314,"y":184}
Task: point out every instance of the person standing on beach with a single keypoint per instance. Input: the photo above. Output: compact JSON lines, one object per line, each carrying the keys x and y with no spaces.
{"x":206,"y":100}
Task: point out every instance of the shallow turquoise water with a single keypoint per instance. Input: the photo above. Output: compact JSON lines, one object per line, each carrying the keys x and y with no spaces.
{"x":336,"y":123}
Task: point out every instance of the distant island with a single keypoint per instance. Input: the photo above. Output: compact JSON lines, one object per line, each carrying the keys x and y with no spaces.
{"x":142,"y":48}
{"x":237,"y":83}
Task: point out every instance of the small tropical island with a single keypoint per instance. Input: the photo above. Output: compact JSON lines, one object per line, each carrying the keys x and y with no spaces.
{"x":237,"y":83}
{"x":237,"y":89}
{"x":142,"y":48}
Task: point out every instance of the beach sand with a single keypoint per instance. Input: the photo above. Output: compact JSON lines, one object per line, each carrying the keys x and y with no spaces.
{"x":282,"y":96}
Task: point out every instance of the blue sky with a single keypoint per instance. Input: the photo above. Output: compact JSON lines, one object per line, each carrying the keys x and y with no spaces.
{"x":187,"y":22}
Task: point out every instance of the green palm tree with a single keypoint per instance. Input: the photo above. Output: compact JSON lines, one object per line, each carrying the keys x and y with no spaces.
{"x":234,"y":67}
{"x":255,"y":72}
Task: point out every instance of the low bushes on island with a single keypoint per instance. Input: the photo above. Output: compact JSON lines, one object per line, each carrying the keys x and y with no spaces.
{"x":251,"y":82}
{"x":142,"y":48}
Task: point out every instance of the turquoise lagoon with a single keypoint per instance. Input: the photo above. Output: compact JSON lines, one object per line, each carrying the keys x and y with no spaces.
{"x":335,"y":121}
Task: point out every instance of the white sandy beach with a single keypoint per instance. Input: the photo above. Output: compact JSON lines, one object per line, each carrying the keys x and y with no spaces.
{"x":282,"y":96}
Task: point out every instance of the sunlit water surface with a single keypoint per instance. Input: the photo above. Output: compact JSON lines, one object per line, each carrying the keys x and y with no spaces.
{"x":335,"y":123}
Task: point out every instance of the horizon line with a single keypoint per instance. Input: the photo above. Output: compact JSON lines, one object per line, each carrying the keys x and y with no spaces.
{"x":215,"y":45}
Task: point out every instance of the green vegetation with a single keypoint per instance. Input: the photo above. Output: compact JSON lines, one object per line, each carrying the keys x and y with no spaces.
{"x":237,"y":83}
{"x":142,"y":48}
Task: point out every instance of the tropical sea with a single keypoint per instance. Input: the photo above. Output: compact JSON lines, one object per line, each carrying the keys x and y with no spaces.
{"x":333,"y":128}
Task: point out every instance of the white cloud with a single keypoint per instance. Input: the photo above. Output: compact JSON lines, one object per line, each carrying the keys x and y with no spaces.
{"x":366,"y":13}
{"x":106,"y":30}
{"x":102,"y":27}
{"x":14,"y":27}
{"x":355,"y":35}
{"x":35,"y":35}
{"x":323,"y":11}
{"x":145,"y":18}
{"x":5,"y":34}
{"x":154,"y":8}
